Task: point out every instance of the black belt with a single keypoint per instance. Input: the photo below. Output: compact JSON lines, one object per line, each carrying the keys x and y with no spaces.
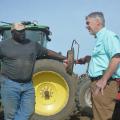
{"x":99,"y":77}
{"x":95,"y":78}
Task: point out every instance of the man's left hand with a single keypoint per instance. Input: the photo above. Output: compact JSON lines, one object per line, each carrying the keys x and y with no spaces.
{"x":100,"y":85}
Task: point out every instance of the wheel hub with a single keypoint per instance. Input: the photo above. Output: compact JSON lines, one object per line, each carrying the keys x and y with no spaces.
{"x":51,"y":92}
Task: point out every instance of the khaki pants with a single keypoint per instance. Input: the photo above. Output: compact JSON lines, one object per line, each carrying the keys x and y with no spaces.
{"x":103,"y":105}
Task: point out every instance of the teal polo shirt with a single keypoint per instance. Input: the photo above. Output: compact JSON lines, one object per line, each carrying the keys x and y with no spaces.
{"x":107,"y":45}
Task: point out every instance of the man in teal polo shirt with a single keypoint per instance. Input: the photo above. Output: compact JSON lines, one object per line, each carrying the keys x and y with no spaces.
{"x":104,"y":68}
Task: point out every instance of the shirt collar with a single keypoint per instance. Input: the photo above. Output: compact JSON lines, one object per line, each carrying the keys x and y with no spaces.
{"x":98,"y":34}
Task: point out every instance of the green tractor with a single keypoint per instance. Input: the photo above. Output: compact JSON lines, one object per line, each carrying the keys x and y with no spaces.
{"x":55,"y":89}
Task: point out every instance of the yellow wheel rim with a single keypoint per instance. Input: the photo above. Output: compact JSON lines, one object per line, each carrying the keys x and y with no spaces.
{"x":51,"y":91}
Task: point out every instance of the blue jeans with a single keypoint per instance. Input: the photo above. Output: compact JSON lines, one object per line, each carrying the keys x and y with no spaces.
{"x":18,"y":99}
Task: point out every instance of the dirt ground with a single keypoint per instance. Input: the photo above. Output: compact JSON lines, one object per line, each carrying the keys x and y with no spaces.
{"x":80,"y":118}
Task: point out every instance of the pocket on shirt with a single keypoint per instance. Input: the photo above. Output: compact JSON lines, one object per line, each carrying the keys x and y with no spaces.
{"x":98,"y":50}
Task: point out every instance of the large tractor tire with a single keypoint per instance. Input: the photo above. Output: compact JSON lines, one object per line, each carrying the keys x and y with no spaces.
{"x":54,"y":91}
{"x":84,"y":96}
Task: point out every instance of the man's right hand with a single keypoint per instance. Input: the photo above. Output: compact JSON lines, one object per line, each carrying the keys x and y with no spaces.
{"x":83,"y":60}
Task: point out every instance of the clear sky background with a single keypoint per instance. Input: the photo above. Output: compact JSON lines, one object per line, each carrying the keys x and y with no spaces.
{"x":66,"y":19}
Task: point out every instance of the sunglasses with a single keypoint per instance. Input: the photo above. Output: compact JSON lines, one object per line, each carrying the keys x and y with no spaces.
{"x":20,"y":31}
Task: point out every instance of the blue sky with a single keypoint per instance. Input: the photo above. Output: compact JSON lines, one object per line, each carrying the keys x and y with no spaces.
{"x":66,"y":19}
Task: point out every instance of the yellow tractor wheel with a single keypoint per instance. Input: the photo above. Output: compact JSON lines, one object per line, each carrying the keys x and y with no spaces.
{"x":54,"y":91}
{"x":48,"y":88}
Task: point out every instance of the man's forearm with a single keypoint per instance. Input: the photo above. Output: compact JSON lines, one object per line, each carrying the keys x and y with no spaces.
{"x":55,"y":55}
{"x":111,"y":68}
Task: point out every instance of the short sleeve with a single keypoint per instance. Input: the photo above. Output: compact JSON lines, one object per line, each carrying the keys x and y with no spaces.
{"x":41,"y":51}
{"x":112,"y":45}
